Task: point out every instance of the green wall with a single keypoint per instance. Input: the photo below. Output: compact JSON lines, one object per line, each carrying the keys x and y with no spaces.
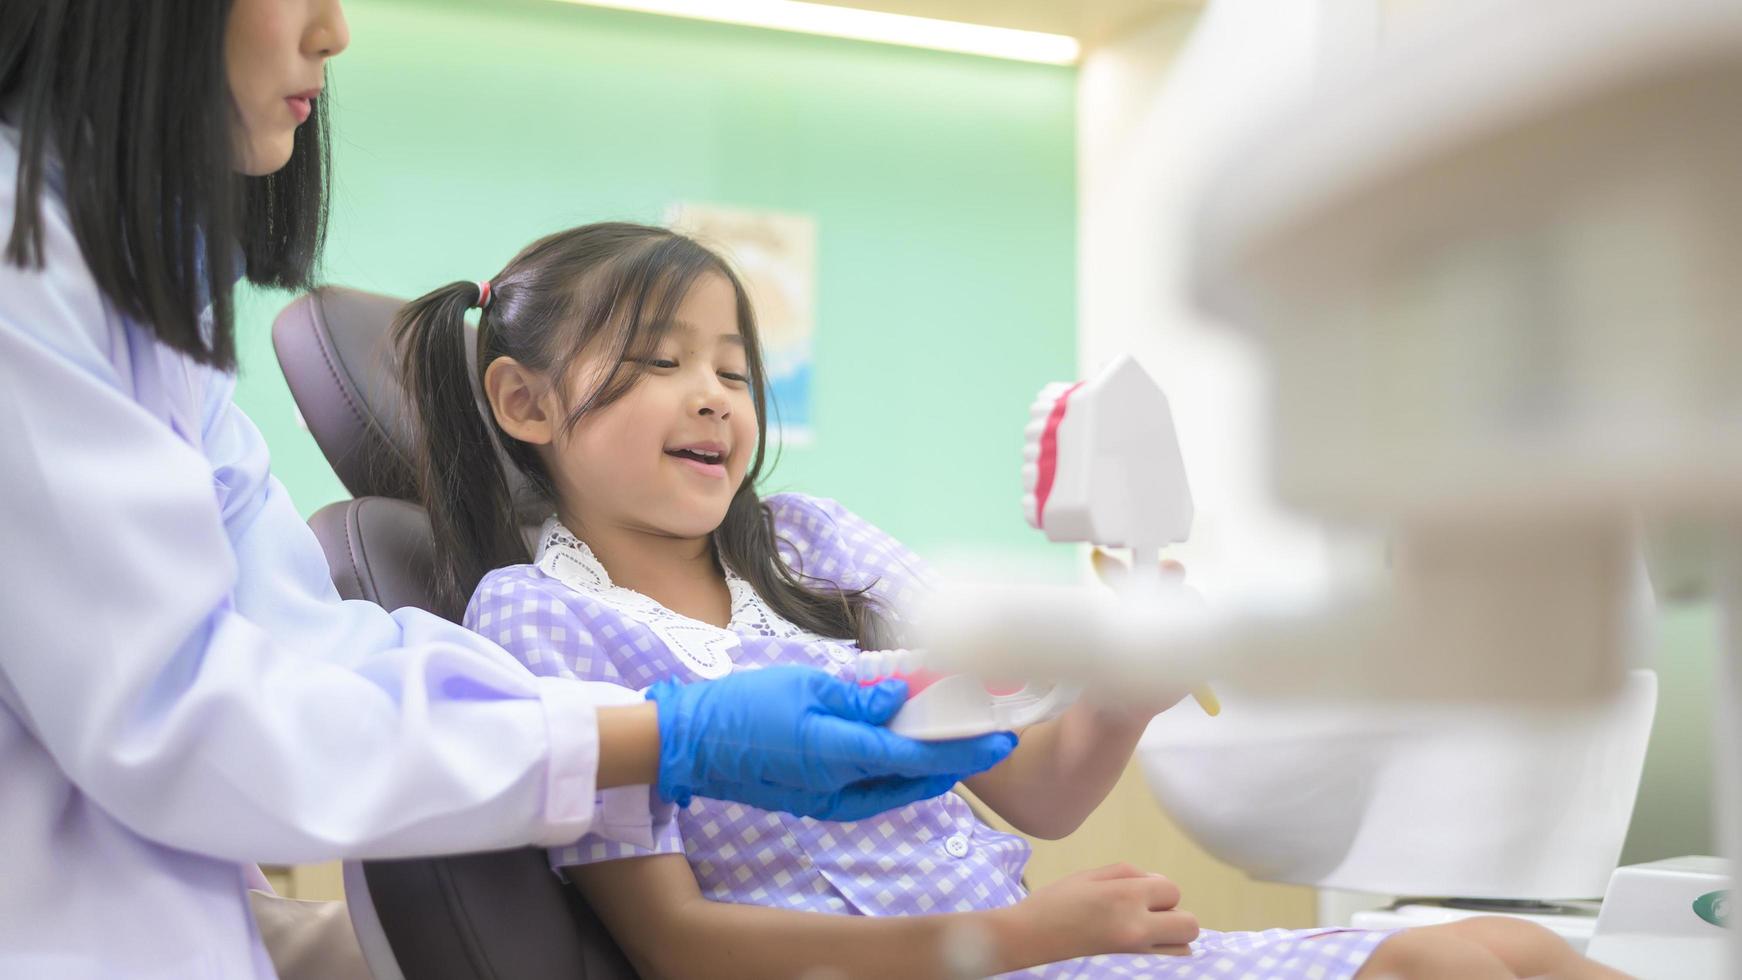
{"x":1674,"y":814}
{"x":943,"y":186}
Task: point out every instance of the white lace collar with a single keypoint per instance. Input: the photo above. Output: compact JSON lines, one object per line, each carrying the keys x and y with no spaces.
{"x":703,"y":647}
{"x":575,"y":559}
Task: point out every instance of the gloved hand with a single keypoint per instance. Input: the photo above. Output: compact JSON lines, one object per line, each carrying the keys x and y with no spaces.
{"x":796,"y":739}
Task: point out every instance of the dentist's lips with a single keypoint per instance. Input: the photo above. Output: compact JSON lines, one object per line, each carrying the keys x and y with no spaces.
{"x":705,"y":458}
{"x":302,"y":104}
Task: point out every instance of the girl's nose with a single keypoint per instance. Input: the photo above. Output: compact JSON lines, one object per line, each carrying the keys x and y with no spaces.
{"x":711,"y":402}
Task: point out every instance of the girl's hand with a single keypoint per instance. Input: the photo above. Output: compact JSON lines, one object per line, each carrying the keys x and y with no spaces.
{"x":1113,"y":909}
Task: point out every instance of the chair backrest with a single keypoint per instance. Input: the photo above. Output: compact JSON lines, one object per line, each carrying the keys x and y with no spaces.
{"x":487,"y":916}
{"x":335,"y":347}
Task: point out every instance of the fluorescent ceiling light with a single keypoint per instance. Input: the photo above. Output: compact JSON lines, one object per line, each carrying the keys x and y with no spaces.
{"x":864,"y":25}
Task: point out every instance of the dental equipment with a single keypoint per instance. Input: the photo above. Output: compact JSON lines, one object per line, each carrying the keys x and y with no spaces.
{"x":1494,"y":281}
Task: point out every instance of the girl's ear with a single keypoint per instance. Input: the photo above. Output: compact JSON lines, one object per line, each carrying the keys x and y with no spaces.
{"x":523,"y":403}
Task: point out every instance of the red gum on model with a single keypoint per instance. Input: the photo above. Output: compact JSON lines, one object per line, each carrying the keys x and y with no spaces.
{"x":919,"y":680}
{"x":1049,"y":455}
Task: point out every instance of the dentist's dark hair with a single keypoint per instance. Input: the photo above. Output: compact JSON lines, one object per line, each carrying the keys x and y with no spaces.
{"x":613,"y":289}
{"x":123,"y":111}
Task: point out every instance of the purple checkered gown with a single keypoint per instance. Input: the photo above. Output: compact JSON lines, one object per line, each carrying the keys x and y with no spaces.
{"x":563,"y":617}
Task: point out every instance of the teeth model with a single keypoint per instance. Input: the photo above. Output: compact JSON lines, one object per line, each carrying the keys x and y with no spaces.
{"x":1101,"y":464}
{"x":945,"y":706}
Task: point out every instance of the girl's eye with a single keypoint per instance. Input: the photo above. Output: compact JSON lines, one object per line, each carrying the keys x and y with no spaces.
{"x":730,"y":376}
{"x":660,"y":362}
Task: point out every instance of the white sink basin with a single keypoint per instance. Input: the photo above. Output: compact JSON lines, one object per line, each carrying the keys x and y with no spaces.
{"x":1472,"y":801}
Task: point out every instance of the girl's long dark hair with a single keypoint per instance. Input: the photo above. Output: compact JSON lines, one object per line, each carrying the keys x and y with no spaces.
{"x":123,"y":110}
{"x":612,"y":288}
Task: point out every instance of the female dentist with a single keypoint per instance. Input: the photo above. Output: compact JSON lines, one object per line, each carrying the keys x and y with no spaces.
{"x":181,"y":690}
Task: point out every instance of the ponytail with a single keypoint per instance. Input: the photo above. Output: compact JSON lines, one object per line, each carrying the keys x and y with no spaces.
{"x":459,"y":474}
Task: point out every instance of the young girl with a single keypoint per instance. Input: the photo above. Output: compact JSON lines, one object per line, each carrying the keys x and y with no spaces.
{"x":625,"y":388}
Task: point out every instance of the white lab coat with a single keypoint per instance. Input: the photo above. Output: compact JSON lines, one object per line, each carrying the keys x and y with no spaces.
{"x":182,"y":690}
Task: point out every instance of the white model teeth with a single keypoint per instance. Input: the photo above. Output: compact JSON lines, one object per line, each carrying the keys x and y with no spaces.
{"x":1048,"y":397}
{"x":887,"y":663}
{"x":1039,"y":413}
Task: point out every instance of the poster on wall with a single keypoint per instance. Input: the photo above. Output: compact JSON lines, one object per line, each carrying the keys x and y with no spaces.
{"x":775,"y":253}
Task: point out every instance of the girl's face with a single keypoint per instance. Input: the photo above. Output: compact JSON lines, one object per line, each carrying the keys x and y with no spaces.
{"x":275,"y":54}
{"x":667,"y":457}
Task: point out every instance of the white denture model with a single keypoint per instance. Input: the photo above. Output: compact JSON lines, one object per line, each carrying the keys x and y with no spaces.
{"x":1101,"y":465}
{"x":944,"y":706}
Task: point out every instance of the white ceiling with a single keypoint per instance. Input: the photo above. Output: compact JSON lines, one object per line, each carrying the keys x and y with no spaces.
{"x":1087,"y":20}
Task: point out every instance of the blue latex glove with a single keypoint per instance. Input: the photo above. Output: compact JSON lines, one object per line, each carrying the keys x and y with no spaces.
{"x":796,"y":739}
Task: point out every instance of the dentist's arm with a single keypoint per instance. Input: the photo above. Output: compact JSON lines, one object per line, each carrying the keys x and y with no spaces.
{"x":128,"y":658}
{"x":628,"y":745}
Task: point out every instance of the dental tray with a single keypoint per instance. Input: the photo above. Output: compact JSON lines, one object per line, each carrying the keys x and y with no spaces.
{"x":946,"y":706}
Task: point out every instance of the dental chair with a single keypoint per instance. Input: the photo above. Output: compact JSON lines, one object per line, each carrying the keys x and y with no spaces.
{"x":491,"y":916}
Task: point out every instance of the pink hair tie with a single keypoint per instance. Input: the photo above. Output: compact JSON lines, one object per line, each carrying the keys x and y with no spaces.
{"x":484,"y":295}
